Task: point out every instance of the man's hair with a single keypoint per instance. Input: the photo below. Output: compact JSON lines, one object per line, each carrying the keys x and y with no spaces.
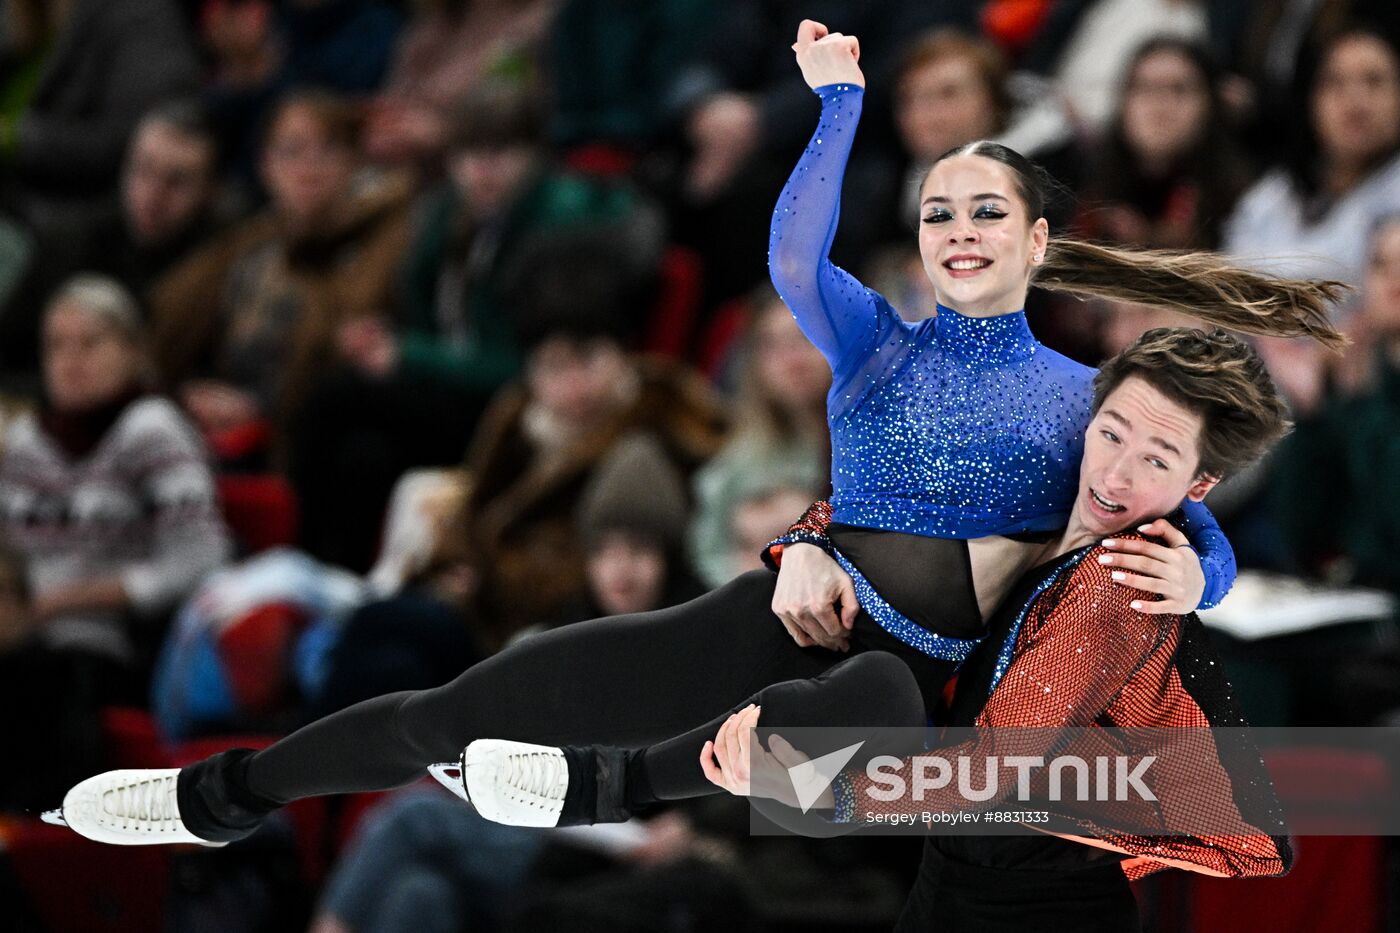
{"x":339,"y":119}
{"x":572,"y":283}
{"x":498,"y":114}
{"x":187,"y":116}
{"x":1215,"y":375}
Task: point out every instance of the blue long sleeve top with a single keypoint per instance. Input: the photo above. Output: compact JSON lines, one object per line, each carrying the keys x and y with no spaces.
{"x":953,"y":427}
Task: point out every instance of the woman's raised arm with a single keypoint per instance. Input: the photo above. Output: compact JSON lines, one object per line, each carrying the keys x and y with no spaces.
{"x":833,"y":309}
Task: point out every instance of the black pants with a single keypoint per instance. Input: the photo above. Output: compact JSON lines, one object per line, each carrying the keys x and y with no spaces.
{"x":951,"y":896}
{"x":662,"y":680}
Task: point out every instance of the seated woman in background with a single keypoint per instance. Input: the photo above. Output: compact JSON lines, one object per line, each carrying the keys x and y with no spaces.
{"x":1169,"y":171}
{"x":105,"y":489}
{"x":778,"y":446}
{"x":242,"y":329}
{"x":1348,"y":413}
{"x":106,"y":501}
{"x":1312,"y":217}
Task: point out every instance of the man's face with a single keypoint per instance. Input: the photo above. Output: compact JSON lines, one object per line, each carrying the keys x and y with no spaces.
{"x":489,"y":178}
{"x":576,"y":380}
{"x":1141,"y":454}
{"x":166,"y":183}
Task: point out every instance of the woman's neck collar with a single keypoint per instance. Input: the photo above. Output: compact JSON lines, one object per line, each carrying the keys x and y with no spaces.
{"x":980,"y":314}
{"x":992,"y":340}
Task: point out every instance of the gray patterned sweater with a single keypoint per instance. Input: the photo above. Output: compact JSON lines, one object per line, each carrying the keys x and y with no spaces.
{"x":140,"y":507}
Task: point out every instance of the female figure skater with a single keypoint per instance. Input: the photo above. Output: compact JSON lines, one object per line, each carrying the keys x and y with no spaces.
{"x":961,"y":427}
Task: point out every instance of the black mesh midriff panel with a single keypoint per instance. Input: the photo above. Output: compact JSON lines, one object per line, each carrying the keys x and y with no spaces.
{"x":928,"y":580}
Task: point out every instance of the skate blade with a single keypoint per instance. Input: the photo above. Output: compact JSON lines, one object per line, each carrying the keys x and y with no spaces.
{"x":53,"y":817}
{"x":449,"y":775}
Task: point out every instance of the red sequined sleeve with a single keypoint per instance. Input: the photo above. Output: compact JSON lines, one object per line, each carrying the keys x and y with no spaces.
{"x":809,"y":529}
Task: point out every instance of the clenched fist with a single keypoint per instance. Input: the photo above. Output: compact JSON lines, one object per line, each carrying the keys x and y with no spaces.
{"x":827,"y":57}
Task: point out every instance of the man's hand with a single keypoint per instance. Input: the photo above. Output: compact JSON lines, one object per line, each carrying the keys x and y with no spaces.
{"x":218,"y":406}
{"x":369,"y":345}
{"x":737,"y":761}
{"x":815,"y":599}
{"x":1173,"y":571}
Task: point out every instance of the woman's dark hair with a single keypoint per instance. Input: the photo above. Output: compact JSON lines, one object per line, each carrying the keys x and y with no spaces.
{"x":1214,"y":165}
{"x":1305,"y":160}
{"x":1201,"y":284}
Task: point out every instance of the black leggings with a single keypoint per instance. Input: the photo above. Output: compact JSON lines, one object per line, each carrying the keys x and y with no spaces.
{"x":662,"y":680}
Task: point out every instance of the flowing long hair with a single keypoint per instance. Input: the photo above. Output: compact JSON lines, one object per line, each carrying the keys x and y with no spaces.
{"x":1202,"y":284}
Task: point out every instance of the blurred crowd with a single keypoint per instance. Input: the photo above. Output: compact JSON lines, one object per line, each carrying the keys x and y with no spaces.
{"x":343,"y":342}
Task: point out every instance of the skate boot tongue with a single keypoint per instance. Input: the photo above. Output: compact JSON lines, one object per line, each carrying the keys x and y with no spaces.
{"x":542,"y":785}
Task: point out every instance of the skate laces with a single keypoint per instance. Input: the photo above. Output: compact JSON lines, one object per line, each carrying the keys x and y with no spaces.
{"x":147,"y":804}
{"x":538,"y":776}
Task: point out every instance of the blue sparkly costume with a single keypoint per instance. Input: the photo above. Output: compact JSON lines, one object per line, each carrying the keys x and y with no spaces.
{"x":953,"y":427}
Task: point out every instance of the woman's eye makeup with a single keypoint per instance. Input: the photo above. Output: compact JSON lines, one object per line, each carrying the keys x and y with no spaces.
{"x":985,"y":212}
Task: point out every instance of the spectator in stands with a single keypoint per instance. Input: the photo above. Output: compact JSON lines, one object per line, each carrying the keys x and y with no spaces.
{"x":165,"y":211}
{"x":105,"y":490}
{"x":1086,"y":45}
{"x":512,"y":550}
{"x":80,"y":74}
{"x":632,"y":521}
{"x":1348,"y":416}
{"x":1169,"y":171}
{"x":413,"y":398}
{"x":778,"y":444}
{"x":1280,"y":44}
{"x":243,"y":327}
{"x":1313,"y":217}
{"x":262,"y":50}
{"x":168,"y":188}
{"x":501,"y":194}
{"x":445,"y":51}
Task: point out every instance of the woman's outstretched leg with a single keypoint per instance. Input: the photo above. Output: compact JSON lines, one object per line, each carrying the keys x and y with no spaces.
{"x":873,"y":691}
{"x":627,"y":681}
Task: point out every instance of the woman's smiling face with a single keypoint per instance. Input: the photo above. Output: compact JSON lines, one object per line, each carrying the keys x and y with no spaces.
{"x":977,"y":242}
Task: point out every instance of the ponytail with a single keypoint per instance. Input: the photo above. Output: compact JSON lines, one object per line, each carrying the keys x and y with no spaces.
{"x":1200,"y":284}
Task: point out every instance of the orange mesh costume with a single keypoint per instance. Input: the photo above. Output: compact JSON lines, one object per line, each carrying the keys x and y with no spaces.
{"x":1072,"y":653}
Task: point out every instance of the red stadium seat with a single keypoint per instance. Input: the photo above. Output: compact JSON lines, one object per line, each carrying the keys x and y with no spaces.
{"x":260,"y":510}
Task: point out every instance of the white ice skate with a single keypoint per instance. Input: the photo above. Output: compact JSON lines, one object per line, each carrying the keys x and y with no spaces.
{"x":515,"y":783}
{"x":126,"y":808}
